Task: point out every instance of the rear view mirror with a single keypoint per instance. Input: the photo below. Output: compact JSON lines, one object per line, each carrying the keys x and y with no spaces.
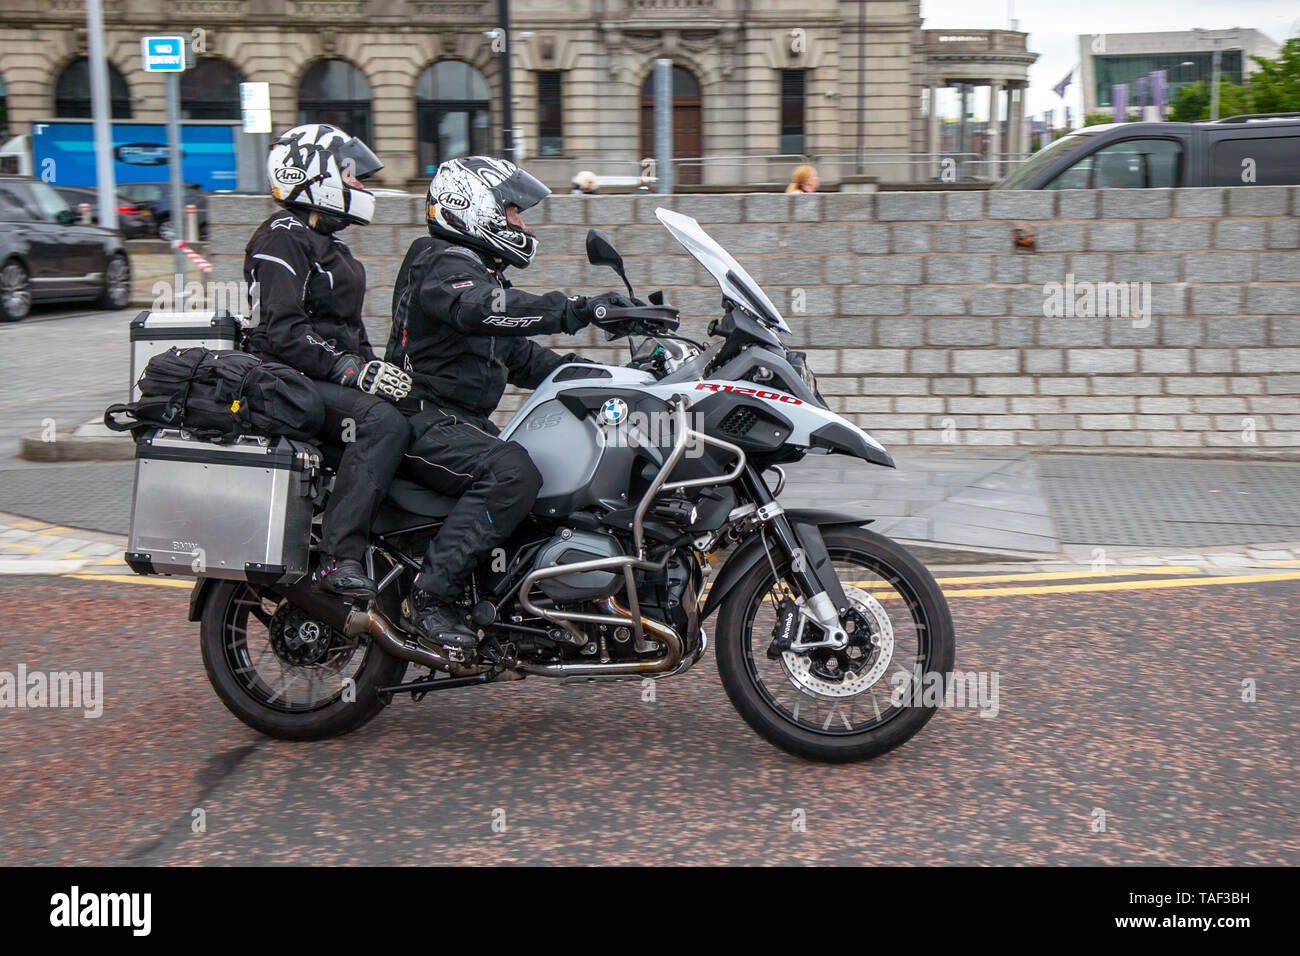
{"x":601,"y":251}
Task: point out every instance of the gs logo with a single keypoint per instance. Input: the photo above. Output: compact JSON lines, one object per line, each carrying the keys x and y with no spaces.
{"x":454,"y":201}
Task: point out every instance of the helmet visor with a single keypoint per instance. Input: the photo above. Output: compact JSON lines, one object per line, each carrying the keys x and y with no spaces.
{"x":357,"y":156}
{"x":520,"y":189}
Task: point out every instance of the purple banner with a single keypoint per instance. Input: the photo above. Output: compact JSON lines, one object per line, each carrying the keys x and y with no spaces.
{"x":1068,"y":125}
{"x":1158,"y":87}
{"x":1142,"y":97}
{"x":1119,"y":96}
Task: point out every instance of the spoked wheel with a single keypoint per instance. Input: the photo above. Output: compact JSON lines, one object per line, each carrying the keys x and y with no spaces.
{"x":838,"y":704}
{"x":117,"y":284}
{"x":286,"y":674}
{"x":15,"y":292}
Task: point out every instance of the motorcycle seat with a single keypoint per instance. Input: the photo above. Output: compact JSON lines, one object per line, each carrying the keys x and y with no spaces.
{"x":415,"y":499}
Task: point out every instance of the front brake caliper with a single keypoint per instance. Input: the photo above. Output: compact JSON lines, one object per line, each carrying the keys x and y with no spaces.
{"x":785,"y":629}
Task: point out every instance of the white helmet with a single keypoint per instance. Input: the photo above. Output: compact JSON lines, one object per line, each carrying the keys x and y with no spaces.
{"x":306,"y":167}
{"x":467,"y":204}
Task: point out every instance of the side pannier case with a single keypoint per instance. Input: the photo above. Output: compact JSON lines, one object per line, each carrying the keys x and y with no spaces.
{"x":240,"y":511}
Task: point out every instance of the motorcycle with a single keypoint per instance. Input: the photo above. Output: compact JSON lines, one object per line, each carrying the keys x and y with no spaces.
{"x":652,"y":472}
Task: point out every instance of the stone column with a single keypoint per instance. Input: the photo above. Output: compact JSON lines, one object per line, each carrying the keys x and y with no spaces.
{"x":994,"y":139}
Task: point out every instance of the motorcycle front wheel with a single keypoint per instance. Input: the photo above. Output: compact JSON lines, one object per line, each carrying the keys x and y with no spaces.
{"x":285,"y":674}
{"x":851,"y":703}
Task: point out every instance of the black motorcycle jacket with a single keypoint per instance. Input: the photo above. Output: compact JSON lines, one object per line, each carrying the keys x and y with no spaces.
{"x":307,"y":292}
{"x":459,"y":329}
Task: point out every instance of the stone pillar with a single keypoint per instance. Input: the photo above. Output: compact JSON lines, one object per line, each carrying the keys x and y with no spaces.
{"x":994,"y":139}
{"x":1015,"y":117}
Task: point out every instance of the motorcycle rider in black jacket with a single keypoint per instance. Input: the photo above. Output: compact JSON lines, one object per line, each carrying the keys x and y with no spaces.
{"x":461,"y":332}
{"x":306,"y":292}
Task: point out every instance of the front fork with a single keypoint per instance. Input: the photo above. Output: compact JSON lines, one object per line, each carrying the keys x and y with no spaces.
{"x":811,"y":570}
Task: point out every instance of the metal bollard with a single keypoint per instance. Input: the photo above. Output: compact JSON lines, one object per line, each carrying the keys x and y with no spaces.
{"x":191,"y":222}
{"x":83,"y":210}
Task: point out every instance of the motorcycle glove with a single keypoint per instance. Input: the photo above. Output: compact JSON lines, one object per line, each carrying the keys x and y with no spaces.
{"x":586,"y":308}
{"x":385,"y":380}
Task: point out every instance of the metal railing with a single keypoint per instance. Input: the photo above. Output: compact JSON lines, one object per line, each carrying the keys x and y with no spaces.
{"x":773,"y":170}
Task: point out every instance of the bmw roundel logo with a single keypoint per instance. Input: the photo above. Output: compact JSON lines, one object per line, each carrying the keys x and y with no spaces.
{"x":613,"y":411}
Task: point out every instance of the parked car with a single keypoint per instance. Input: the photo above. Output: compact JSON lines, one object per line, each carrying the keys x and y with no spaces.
{"x":133,"y":220}
{"x":1259,"y":150}
{"x":157,"y":198}
{"x":46,"y":255}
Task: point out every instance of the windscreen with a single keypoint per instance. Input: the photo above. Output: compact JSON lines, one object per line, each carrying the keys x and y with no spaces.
{"x":736,"y":284}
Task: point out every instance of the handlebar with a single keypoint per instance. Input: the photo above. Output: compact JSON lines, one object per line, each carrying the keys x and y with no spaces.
{"x":640,"y":319}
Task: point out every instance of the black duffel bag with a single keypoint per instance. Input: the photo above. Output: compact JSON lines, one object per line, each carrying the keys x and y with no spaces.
{"x":218,"y":396}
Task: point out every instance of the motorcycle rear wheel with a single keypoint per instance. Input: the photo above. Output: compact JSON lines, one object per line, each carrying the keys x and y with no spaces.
{"x":829,"y":708}
{"x":242,"y":658}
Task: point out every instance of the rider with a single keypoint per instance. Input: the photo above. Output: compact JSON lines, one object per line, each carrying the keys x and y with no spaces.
{"x":306,"y":292}
{"x":460,"y":330}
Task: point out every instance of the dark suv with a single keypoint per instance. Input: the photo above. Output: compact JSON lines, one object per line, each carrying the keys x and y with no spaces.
{"x":47,"y":256}
{"x":1238,"y":151}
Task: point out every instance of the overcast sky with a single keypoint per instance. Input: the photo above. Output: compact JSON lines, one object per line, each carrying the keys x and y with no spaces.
{"x":1055,"y":25}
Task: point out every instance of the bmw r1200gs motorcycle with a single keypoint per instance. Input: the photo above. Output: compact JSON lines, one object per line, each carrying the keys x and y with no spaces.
{"x":825,"y":630}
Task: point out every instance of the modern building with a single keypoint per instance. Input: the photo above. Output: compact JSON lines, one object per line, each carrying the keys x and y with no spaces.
{"x":1186,"y":56}
{"x":757,"y":87}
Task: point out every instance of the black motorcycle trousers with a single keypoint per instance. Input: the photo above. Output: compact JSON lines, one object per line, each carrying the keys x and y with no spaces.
{"x":366,"y":436}
{"x":496,"y":484}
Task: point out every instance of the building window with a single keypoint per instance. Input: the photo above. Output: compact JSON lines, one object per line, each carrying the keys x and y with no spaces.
{"x":451,"y":114}
{"x":336,"y":92}
{"x":210,"y":91}
{"x":72,"y":92}
{"x":550,"y":114}
{"x":1181,"y":69}
{"x":792,"y":110}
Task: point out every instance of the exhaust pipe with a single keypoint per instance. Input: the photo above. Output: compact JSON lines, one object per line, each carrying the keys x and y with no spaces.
{"x":353,"y":621}
{"x":667,"y":661}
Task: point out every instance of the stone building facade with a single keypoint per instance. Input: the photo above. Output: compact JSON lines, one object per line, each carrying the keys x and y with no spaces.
{"x":762,"y":85}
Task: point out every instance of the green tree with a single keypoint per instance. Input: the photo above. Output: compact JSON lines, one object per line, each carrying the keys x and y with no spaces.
{"x":1275,"y":87}
{"x":1192,"y":102}
{"x":1097,"y":119}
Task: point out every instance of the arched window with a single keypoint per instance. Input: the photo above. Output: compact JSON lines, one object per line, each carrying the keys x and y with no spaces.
{"x":336,"y":92}
{"x":687,"y":140}
{"x":210,"y":91}
{"x":72,"y":92}
{"x":451,"y":114}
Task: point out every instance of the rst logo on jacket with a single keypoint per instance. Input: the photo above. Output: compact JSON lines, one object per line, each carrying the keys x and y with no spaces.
{"x":757,"y":393}
{"x":512,"y":321}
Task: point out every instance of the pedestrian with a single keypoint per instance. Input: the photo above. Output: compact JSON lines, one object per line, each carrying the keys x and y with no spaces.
{"x":584,"y":184}
{"x":804,"y":180}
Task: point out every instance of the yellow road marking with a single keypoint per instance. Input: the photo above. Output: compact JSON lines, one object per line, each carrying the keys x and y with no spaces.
{"x":29,"y":524}
{"x":25,"y":547}
{"x":1126,"y":585}
{"x":74,"y":555}
{"x":112,"y":561}
{"x":133,"y":579}
{"x":1054,"y":575}
{"x":1281,"y":564}
{"x":54,"y":530}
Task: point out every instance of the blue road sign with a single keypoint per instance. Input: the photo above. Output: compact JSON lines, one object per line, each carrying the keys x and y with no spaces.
{"x":163,"y":54}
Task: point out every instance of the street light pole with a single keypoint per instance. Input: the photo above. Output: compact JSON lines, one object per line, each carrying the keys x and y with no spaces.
{"x":507,"y":105}
{"x":100,"y":111}
{"x":1214,"y":81}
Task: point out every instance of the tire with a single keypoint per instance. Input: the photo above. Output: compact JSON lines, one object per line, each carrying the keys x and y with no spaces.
{"x":165,"y":229}
{"x":15,"y":292}
{"x":331,"y":718}
{"x":737,"y":667}
{"x":117,"y":283}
